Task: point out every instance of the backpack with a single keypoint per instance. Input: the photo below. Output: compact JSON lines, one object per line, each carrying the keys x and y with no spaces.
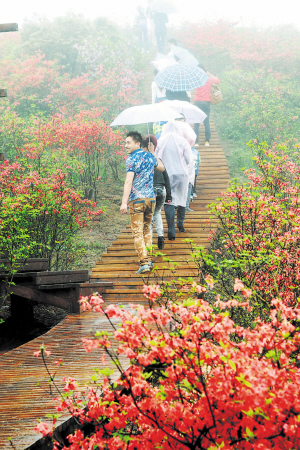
{"x":216,"y":94}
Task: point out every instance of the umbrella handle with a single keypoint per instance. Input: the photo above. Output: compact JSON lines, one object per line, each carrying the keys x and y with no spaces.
{"x":148,"y":132}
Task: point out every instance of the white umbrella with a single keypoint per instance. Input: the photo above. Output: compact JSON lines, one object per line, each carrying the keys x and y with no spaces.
{"x":135,"y":115}
{"x":184,"y":56}
{"x":162,"y":63}
{"x":192,"y":113}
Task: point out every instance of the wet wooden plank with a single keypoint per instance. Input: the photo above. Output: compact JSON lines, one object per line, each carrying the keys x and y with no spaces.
{"x":68,"y":276}
{"x":5,"y":27}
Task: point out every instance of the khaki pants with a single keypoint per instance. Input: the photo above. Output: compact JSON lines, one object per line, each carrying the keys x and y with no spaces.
{"x":141,"y":212}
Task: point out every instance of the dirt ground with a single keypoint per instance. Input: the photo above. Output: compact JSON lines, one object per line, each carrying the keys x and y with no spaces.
{"x":94,"y":240}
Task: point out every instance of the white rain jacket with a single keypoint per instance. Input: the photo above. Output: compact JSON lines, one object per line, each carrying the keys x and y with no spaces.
{"x":189,"y":134}
{"x":176,"y":154}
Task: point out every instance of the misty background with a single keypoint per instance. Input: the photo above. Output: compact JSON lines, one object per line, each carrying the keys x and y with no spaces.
{"x":254,"y":13}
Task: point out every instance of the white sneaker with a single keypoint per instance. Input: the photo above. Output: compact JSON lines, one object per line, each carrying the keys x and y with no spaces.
{"x":206,"y":144}
{"x":194,"y":195}
{"x":143,"y":269}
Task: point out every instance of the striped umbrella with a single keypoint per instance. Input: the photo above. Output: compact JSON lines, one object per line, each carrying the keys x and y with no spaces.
{"x":181,"y":78}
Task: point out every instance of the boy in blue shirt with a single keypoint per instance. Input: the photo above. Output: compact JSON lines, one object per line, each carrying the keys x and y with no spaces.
{"x":138,"y":188}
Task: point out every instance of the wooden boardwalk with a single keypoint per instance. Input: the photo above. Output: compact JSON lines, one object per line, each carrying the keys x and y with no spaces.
{"x":21,"y":400}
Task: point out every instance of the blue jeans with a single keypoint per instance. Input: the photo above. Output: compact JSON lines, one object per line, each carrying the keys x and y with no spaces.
{"x":205,"y":107}
{"x":160,"y":194}
{"x":189,"y":195}
{"x":194,"y":187}
{"x":170,"y":216}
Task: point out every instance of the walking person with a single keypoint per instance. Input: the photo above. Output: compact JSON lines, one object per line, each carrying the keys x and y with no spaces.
{"x":162,"y":190}
{"x":160,"y":20}
{"x":188,"y":133}
{"x":138,"y":188}
{"x":203,"y":100}
{"x":141,"y":24}
{"x":175,"y":153}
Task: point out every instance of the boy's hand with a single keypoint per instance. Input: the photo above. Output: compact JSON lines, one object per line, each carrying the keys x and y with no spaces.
{"x":123,"y":208}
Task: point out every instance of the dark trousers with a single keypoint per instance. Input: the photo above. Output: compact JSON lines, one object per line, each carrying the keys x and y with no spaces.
{"x":170,"y":216}
{"x":205,"y":107}
{"x":194,"y":187}
{"x":143,"y":36}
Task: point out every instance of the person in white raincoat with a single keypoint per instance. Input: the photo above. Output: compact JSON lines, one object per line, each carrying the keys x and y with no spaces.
{"x":175,"y":152}
{"x":189,"y":134}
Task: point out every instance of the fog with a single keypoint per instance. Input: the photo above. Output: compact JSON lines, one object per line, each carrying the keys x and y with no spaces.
{"x":257,"y":12}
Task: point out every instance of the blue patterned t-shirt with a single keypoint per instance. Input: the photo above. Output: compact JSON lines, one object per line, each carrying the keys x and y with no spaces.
{"x":142,"y":164}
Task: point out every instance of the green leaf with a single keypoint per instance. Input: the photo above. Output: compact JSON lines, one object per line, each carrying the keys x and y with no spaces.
{"x":249,"y":433}
{"x":232,"y":364}
{"x":223,"y":345}
{"x":249,"y":413}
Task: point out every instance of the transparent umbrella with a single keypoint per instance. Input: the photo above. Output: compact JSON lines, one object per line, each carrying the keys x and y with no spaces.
{"x":192,"y":113}
{"x":161,"y":63}
{"x":135,"y":115}
{"x":185,"y":57}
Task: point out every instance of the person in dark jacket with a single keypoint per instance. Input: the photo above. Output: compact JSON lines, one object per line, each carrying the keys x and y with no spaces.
{"x":160,"y":20}
{"x":162,"y":190}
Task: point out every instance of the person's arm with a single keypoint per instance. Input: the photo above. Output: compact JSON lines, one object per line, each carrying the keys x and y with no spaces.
{"x":127,"y":189}
{"x":167,"y":186}
{"x":160,"y":167}
{"x":188,"y":133}
{"x":187,"y":153}
{"x":215,"y":80}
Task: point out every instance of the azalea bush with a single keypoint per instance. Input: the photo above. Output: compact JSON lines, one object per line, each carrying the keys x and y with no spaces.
{"x":189,"y":385}
{"x":224,"y":45}
{"x":29,"y":80}
{"x":84,"y":147}
{"x":39,"y":217}
{"x":258,"y":236}
{"x":13,"y":132}
{"x":36,"y":86}
{"x":259,"y":105}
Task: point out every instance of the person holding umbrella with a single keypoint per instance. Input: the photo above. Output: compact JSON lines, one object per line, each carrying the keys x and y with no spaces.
{"x":203,"y":100}
{"x":174,"y":151}
{"x":179,"y":79}
{"x":141,"y":25}
{"x":160,"y":20}
{"x":138,"y":188}
{"x":162,"y":189}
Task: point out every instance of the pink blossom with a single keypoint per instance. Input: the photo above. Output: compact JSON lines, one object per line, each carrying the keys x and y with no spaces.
{"x":43,"y":428}
{"x":209,"y":280}
{"x":238,"y":285}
